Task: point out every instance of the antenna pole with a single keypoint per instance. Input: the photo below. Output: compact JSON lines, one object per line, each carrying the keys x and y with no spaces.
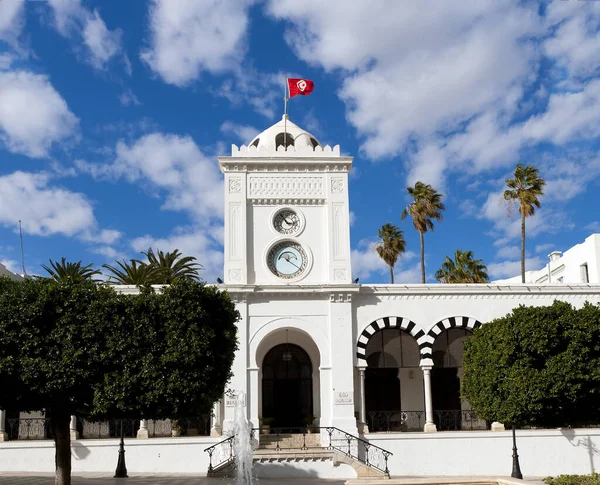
{"x":22,"y":252}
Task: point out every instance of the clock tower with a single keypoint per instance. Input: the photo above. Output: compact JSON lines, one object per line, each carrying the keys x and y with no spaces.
{"x":286,"y":210}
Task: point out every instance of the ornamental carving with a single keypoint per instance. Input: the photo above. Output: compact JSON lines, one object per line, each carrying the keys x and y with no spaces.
{"x":235,"y":275}
{"x":339,"y":274}
{"x":286,"y":187}
{"x":235,"y":185}
{"x":337,"y":185}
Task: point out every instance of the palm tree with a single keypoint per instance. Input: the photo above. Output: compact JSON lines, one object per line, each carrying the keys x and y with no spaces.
{"x":171,"y":266}
{"x":74,"y":271}
{"x":524,"y":189}
{"x":426,"y":207}
{"x":133,"y":273}
{"x":391,"y":246}
{"x":463,"y":269}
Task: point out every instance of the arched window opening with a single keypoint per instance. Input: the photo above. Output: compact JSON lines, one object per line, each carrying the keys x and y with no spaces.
{"x":255,"y":143}
{"x":314,"y":142}
{"x":448,"y":347}
{"x":393,"y":382}
{"x":282,"y":138}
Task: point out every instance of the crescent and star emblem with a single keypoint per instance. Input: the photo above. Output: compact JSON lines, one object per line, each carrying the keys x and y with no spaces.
{"x":301,"y":85}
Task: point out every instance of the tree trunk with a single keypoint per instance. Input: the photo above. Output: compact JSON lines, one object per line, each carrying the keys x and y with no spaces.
{"x":392,"y":274}
{"x":59,"y":424}
{"x":422,"y":239}
{"x":522,"y":248}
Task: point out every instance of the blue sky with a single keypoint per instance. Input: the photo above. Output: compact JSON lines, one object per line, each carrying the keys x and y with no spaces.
{"x":112,"y":115}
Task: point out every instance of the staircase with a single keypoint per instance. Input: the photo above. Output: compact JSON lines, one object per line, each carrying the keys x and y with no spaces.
{"x":297,"y":445}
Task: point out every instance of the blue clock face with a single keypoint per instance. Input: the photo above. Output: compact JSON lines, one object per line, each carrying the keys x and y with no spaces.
{"x":287,"y":259}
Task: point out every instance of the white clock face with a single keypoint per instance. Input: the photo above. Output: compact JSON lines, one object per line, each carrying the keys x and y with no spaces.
{"x":287,"y":260}
{"x":287,"y":221}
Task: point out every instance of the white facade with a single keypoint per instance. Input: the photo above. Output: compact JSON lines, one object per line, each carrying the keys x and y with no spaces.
{"x":577,"y":265}
{"x":290,"y":206}
{"x":4,"y":271}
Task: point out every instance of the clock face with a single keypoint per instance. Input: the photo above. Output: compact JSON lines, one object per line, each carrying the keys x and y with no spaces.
{"x":287,"y":221}
{"x":287,"y":259}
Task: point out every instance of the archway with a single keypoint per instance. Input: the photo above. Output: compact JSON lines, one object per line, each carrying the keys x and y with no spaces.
{"x":393,"y":383}
{"x":287,"y":386}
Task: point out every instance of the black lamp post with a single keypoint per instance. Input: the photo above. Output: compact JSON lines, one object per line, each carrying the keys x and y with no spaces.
{"x":121,"y":471}
{"x":516,"y":468}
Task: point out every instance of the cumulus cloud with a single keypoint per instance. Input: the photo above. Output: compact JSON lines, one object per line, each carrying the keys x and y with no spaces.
{"x":367,"y":264}
{"x":191,"y":36}
{"x":72,"y":19}
{"x":243,"y":133}
{"x":33,"y":115}
{"x":12,"y":19}
{"x":43,"y":209}
{"x":510,"y":268}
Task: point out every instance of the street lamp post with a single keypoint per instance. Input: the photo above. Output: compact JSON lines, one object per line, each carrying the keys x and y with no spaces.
{"x":121,"y":471}
{"x":516,"y":468}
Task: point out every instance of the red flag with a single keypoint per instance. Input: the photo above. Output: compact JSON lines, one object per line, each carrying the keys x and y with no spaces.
{"x":300,"y":86}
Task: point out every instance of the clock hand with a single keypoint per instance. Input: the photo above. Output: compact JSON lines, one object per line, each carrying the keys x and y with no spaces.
{"x":288,"y":257}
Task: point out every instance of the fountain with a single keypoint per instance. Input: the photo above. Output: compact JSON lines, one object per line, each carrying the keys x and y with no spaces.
{"x":242,"y":443}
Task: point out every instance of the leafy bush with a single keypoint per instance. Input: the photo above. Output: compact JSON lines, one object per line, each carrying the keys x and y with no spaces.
{"x":593,"y":479}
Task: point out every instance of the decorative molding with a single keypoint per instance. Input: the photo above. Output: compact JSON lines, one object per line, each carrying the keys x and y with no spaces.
{"x":287,"y":201}
{"x":278,"y":186}
{"x":340,"y":252}
{"x":386,"y":322}
{"x":288,"y":166}
{"x":234,"y":232}
{"x":340,"y":297}
{"x":337,"y":185}
{"x":235,"y":185}
{"x":292,"y":151}
{"x":235,"y":274}
{"x":339,"y":274}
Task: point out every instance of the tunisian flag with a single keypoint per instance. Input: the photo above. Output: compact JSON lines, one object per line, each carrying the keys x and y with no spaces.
{"x":300,"y":86}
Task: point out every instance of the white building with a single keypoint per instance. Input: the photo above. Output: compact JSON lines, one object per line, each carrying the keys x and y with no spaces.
{"x":577,"y":265}
{"x":382,"y":363}
{"x":4,"y":271}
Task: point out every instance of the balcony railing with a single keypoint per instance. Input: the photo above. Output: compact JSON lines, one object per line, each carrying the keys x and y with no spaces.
{"x":39,"y":428}
{"x":446,"y":420}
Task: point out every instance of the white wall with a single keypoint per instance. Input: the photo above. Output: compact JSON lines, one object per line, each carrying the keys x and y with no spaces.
{"x":541,"y":452}
{"x":156,"y":455}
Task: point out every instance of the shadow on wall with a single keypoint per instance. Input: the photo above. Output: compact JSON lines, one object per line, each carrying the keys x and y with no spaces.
{"x":585,"y":443}
{"x":79,"y":451}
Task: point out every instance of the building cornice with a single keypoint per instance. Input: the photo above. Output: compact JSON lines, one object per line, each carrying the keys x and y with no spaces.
{"x":478,"y":289}
{"x":285,"y":164}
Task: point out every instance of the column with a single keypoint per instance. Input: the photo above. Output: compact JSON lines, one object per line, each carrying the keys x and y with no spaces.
{"x":73,"y":428}
{"x":143,"y":431}
{"x":252,"y":396}
{"x":429,"y":424}
{"x":362,"y":413}
{"x":215,"y":428}
{"x":3,"y":434}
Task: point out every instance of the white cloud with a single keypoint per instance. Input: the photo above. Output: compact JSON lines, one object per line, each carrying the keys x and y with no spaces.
{"x":367,"y":263}
{"x":191,"y":36}
{"x":74,"y":20}
{"x":43,"y":209}
{"x":415,"y":68}
{"x":507,"y":269}
{"x":243,"y":133}
{"x":6,"y":61}
{"x":509,"y":252}
{"x":12,"y":19}
{"x":191,"y":242}
{"x":352,"y":218}
{"x":128,"y":98}
{"x":593,"y":226}
{"x":542,"y":248}
{"x":33,"y":115}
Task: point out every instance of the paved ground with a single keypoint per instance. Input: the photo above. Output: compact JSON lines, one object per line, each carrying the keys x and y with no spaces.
{"x":135,"y":479}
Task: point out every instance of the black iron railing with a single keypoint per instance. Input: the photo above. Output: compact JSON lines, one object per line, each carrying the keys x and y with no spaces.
{"x":445,"y":420}
{"x":281,"y":439}
{"x":28,"y":429}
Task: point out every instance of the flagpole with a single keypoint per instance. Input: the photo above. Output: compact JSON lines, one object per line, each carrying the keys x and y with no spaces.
{"x":285,"y":100}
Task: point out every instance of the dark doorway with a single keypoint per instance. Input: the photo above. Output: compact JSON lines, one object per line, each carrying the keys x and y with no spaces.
{"x":445,"y":387}
{"x":382,"y":398}
{"x":287,"y":386}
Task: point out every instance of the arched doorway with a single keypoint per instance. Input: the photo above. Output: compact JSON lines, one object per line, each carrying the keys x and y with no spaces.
{"x":287,"y":386}
{"x":445,"y":377}
{"x":392,"y":357}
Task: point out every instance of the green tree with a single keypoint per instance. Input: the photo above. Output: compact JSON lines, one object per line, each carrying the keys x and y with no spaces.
{"x":133,"y":273}
{"x":426,"y":207}
{"x":462,"y":269}
{"x":537,"y":366}
{"x":173,"y":265}
{"x":68,"y":270}
{"x":524,"y":189}
{"x":77,"y":348}
{"x":391,"y":246}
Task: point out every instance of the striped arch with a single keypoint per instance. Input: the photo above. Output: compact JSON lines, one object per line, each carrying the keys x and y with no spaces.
{"x":386,"y":322}
{"x":426,"y":343}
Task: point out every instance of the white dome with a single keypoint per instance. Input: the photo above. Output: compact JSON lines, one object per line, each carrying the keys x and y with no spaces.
{"x":274,"y":136}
